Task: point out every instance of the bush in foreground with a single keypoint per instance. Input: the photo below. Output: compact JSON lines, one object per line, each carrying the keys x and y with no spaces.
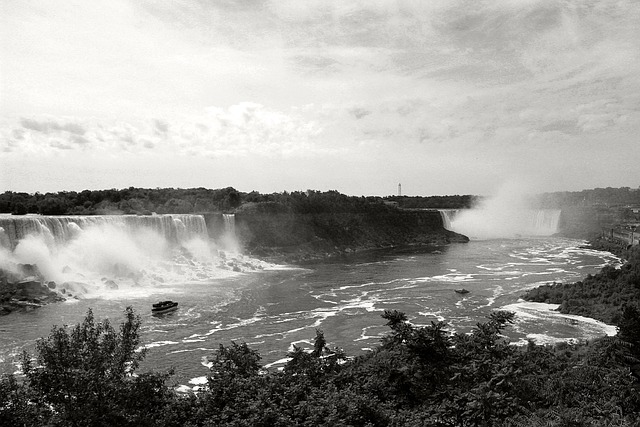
{"x":85,"y":376}
{"x":418,"y":376}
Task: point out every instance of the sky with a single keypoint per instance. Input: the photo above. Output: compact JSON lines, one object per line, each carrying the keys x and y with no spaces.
{"x":442,"y":96}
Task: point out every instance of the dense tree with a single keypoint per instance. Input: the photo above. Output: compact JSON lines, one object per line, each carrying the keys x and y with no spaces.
{"x":84,"y":376}
{"x":19,"y":209}
{"x":52,"y":205}
{"x":169,"y":200}
{"x":435,"y":202}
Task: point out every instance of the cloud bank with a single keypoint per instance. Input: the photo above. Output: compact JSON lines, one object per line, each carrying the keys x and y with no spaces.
{"x":444,"y":96}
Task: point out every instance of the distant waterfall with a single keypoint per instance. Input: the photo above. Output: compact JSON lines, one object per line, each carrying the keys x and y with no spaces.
{"x":229,"y":224}
{"x":545,"y":222}
{"x":228,"y":239}
{"x":448,"y":216}
{"x":501,"y":223}
{"x":56,"y":230}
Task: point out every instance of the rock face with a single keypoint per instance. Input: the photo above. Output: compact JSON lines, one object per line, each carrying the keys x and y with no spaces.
{"x":20,"y":293}
{"x":296,"y":237}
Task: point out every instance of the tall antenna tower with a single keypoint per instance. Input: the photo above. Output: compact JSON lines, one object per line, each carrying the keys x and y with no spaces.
{"x":399,"y":189}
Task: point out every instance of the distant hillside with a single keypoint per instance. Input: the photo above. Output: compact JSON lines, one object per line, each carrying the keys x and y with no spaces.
{"x":608,"y":197}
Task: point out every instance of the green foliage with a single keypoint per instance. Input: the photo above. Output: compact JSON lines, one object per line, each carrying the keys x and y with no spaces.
{"x":601,"y":296}
{"x":84,"y":376}
{"x":237,"y":360}
{"x":435,"y":202}
{"x":198,"y":200}
{"x":629,"y":327}
{"x":129,"y":200}
{"x":598,"y":196}
{"x":19,"y":209}
{"x":418,"y":376}
{"x":17,"y":407}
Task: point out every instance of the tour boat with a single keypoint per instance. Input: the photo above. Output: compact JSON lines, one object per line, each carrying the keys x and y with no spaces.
{"x":163,"y":307}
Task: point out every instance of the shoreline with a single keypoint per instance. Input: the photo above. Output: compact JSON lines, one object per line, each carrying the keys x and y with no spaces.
{"x":601,"y":296}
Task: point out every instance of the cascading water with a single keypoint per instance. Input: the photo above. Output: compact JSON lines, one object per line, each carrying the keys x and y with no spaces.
{"x":89,"y":255}
{"x":546,"y":222}
{"x":486,"y":223}
{"x":448,"y":215}
{"x":60,"y":229}
{"x":510,"y":213}
{"x":229,"y":240}
{"x":229,"y":224}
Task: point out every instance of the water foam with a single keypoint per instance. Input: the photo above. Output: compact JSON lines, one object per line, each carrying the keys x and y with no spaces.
{"x":532,"y":312}
{"x":117,"y":257}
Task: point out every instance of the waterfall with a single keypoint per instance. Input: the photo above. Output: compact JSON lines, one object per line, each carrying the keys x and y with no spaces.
{"x":98,"y":251}
{"x":116,"y":256}
{"x":229,"y":224}
{"x":448,"y":216}
{"x":229,"y":239}
{"x":501,"y":222}
{"x":545,"y":222}
{"x":56,"y":230}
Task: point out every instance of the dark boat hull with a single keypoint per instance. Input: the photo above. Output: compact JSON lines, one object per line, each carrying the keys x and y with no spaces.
{"x":164,"y":308}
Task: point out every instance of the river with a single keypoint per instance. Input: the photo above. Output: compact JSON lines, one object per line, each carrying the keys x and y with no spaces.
{"x":272,"y":307}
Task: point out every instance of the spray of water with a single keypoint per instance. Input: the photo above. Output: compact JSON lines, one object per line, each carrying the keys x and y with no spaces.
{"x":116,"y":257}
{"x":508,"y":214}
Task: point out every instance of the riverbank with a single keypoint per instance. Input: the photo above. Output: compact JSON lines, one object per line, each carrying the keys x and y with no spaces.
{"x":614,"y":246}
{"x":602,"y":296}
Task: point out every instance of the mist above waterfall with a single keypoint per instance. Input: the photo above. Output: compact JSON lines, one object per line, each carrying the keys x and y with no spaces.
{"x":119,"y":255}
{"x":508,"y":214}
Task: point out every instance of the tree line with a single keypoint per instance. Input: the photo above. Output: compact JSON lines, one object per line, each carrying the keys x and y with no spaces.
{"x":198,"y":200}
{"x":126,"y":201}
{"x":608,"y":197}
{"x":144,"y":201}
{"x":436,"y":202}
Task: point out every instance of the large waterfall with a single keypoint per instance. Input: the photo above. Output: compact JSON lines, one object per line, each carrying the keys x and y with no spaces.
{"x":90,"y":254}
{"x":501,"y":223}
{"x":61,"y":229}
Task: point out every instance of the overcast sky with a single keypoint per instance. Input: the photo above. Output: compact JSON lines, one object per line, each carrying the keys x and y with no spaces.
{"x":445,"y":97}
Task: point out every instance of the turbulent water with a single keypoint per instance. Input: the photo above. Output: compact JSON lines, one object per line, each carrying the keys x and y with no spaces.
{"x":273,"y":307}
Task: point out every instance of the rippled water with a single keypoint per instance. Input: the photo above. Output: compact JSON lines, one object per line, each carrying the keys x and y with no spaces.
{"x":278,"y":307}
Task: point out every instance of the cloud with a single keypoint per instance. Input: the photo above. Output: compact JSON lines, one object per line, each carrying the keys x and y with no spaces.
{"x":250,"y":128}
{"x":429,"y":85}
{"x":240,"y":130}
{"x":60,"y":145}
{"x":50,"y":126}
{"x":161,"y":126}
{"x":359,"y":112}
